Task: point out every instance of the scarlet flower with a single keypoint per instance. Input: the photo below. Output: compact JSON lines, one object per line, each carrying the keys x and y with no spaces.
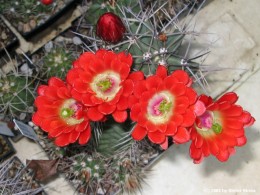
{"x":162,"y":106}
{"x":219,"y":127}
{"x":47,"y":2}
{"x":60,"y":115}
{"x":100,"y":82}
{"x":110,"y":28}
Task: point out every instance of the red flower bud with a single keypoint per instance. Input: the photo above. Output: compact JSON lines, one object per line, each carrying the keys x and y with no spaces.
{"x":110,"y":28}
{"x":47,"y":2}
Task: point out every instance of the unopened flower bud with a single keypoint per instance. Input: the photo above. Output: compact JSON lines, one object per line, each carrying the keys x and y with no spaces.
{"x":110,"y":28}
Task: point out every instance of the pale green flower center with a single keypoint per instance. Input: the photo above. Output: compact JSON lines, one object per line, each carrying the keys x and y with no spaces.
{"x":160,"y":107}
{"x":209,"y":124}
{"x":106,"y":85}
{"x":68,"y":112}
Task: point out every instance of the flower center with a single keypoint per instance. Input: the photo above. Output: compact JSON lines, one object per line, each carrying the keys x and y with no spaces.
{"x":106,"y":85}
{"x":209,"y":124}
{"x":67,"y":112}
{"x":159,"y":108}
{"x":71,"y":112}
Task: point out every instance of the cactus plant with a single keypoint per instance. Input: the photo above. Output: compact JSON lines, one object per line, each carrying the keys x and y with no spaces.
{"x":16,"y":95}
{"x":56,"y":62}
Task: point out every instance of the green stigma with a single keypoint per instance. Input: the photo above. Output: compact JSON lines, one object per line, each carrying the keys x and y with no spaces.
{"x":217,"y":128}
{"x":104,"y":85}
{"x":67,"y":112}
{"x":164,"y":106}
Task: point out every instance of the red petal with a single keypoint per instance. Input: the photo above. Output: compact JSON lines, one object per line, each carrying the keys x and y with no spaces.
{"x":170,"y":81}
{"x":199,"y":108}
{"x":135,"y":111}
{"x":161,"y":71}
{"x":153,"y":82}
{"x":106,"y":109}
{"x":102,"y":52}
{"x":82,"y":126}
{"x":156,"y":137}
{"x":56,"y":132}
{"x":234,"y":124}
{"x":85,"y":136}
{"x":42,"y":100}
{"x":94,"y":114}
{"x":126,"y":58}
{"x":165,"y":144}
{"x":41,"y":89}
{"x":178,"y":89}
{"x":224,"y":105}
{"x":80,"y":86}
{"x":139,"y":133}
{"x":178,"y":119}
{"x":213,"y":147}
{"x":139,"y":89}
{"x":223,"y":156}
{"x":36,"y":119}
{"x":122,"y":103}
{"x":181,"y":136}
{"x":195,"y":153}
{"x":62,"y":140}
{"x":63,"y":93}
{"x":188,"y":118}
{"x":74,"y":135}
{"x":151,"y":127}
{"x":230,"y":97}
{"x":136,"y":76}
{"x":73,"y":75}
{"x":198,"y":141}
{"x":86,"y":100}
{"x":192,"y":95}
{"x":172,"y":129}
{"x":51,"y":93}
{"x":233,"y":111}
{"x":120,"y":116}
{"x":241,"y":141}
{"x":54,"y":81}
{"x":128,"y":87}
{"x":182,"y":76}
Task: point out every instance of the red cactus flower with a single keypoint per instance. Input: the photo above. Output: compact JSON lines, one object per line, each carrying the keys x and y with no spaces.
{"x":219,"y":127}
{"x":47,"y":2}
{"x":162,"y":107}
{"x":60,"y":115}
{"x":100,"y":82}
{"x":110,"y":28}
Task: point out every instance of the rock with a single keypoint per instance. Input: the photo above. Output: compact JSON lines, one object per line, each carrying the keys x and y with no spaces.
{"x":26,"y":28}
{"x":3,"y":35}
{"x":76,"y":40}
{"x":32,"y":24}
{"x":20,"y":26}
{"x":48,"y":46}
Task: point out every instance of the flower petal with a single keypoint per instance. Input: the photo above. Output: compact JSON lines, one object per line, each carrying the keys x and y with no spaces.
{"x":139,"y":133}
{"x":120,"y":116}
{"x":85,"y":136}
{"x":106,"y":109}
{"x":230,"y":97}
{"x":94,"y":114}
{"x":156,"y":137}
{"x":161,"y":71}
{"x":181,"y":136}
{"x":62,"y":140}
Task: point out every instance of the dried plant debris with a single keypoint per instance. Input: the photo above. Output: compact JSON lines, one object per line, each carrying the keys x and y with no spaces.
{"x":28,"y":14}
{"x":6,"y":148}
{"x":15,"y":178}
{"x":7,"y":37}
